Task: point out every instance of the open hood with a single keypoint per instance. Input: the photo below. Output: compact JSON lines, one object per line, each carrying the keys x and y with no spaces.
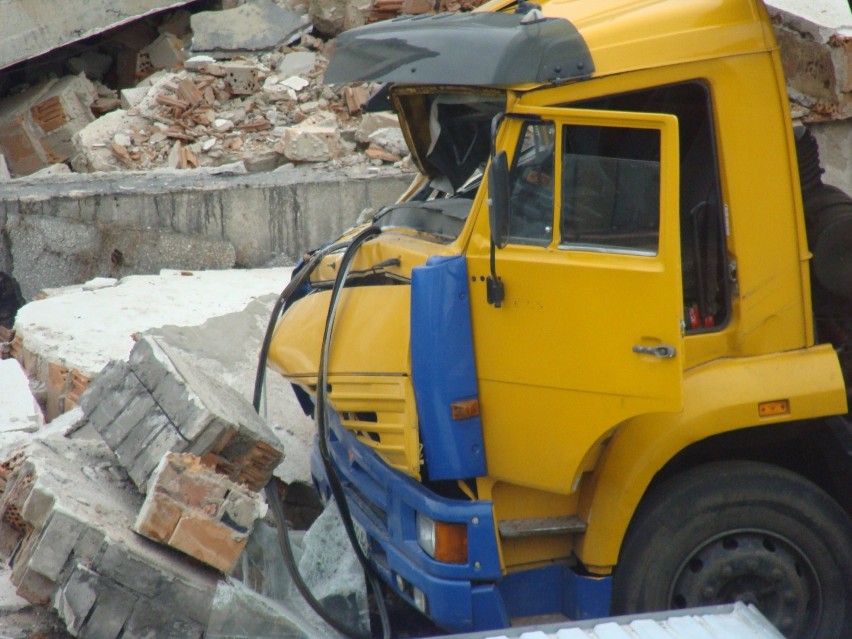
{"x":484,"y":49}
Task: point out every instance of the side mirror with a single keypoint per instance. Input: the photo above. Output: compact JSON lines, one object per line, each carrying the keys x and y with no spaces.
{"x":498,"y":199}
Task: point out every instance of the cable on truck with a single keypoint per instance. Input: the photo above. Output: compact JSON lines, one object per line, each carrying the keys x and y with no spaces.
{"x":300,"y":278}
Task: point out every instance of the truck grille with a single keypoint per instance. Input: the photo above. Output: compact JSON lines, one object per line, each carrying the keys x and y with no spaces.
{"x":380,"y":412}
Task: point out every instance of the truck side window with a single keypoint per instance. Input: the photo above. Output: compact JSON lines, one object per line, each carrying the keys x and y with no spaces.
{"x":704,"y":260}
{"x":610,"y":189}
{"x":531,"y":186}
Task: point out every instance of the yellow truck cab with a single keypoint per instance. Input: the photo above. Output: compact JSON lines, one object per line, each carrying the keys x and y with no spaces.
{"x":592,"y":362}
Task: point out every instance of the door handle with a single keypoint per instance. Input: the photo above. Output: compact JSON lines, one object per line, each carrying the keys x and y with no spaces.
{"x":663,"y":350}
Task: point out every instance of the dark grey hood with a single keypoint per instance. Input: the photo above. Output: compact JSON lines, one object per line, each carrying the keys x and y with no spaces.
{"x":479,"y":48}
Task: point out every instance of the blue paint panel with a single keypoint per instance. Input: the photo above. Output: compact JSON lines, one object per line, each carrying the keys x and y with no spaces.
{"x":443,"y":368}
{"x":556,"y":588}
{"x":461,"y":597}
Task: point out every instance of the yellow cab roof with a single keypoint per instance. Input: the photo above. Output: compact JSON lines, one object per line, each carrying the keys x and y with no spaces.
{"x":626,"y":35}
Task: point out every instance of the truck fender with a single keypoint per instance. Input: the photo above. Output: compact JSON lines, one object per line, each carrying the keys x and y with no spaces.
{"x":719,"y":397}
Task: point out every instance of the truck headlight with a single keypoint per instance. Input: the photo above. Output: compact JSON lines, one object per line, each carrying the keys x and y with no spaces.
{"x":441,"y":540}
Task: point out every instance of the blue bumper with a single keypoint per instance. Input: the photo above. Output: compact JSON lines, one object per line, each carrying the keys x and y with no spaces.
{"x":459,"y":597}
{"x":384,"y":502}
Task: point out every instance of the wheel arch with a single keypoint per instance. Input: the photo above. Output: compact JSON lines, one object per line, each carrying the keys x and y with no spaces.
{"x":719,"y":422}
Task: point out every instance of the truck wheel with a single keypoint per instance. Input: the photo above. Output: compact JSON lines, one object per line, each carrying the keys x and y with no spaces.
{"x":741,"y":531}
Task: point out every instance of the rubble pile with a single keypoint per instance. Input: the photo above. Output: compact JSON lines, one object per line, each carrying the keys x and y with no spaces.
{"x":126,"y":515}
{"x":66,"y":514}
{"x":90,"y":529}
{"x":69,"y":512}
{"x":214,"y":88}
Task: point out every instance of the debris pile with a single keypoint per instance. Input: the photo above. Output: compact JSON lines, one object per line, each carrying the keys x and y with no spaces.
{"x":125,"y":515}
{"x":67,"y":519}
{"x":210,"y":89}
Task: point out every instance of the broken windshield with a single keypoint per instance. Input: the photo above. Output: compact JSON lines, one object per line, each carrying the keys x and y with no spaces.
{"x":450,"y":134}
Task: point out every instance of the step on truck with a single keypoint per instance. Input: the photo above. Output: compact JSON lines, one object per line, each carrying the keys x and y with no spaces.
{"x":593,"y":361}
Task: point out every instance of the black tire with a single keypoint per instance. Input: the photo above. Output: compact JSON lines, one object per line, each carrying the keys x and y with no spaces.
{"x":741,"y":531}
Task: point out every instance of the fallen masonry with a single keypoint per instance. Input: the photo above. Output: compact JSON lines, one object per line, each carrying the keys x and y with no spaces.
{"x":68,"y":507}
{"x":160,"y":402}
{"x":194,"y":509}
{"x":82,"y":539}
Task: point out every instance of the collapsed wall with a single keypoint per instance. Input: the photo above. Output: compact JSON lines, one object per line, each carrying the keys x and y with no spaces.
{"x":69,"y":229}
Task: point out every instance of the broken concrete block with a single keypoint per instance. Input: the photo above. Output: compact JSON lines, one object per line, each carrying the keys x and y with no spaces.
{"x":390,"y":139}
{"x":258,"y":25}
{"x":19,"y":411}
{"x":166,"y":52}
{"x":372,"y":122}
{"x":86,"y":559}
{"x":332,"y":571}
{"x":816,"y":52}
{"x":310,"y":143}
{"x":194,"y":509}
{"x":198,"y":62}
{"x":356,"y":13}
{"x":36,"y":126}
{"x":160,"y":402}
{"x":132,"y":96}
{"x":60,"y":113}
{"x":328,"y":16}
{"x":297,"y":63}
{"x":241,"y":79}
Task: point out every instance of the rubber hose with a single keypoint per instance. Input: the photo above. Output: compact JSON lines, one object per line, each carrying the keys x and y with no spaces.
{"x":271,"y":492}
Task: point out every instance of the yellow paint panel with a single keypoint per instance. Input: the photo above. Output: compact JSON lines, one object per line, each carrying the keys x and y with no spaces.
{"x":371,"y":335}
{"x":719,"y":397}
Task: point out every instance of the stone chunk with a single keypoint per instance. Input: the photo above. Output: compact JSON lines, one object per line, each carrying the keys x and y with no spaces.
{"x":309,"y":143}
{"x":37,"y":126}
{"x":241,"y":79}
{"x":297,"y":63}
{"x":372,"y":122}
{"x":160,"y":402}
{"x":258,"y":25}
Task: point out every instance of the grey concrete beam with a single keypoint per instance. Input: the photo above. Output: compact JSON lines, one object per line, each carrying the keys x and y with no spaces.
{"x":32,"y":27}
{"x":71,"y":228}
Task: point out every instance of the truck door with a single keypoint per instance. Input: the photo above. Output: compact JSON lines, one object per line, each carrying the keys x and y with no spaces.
{"x":589,"y":334}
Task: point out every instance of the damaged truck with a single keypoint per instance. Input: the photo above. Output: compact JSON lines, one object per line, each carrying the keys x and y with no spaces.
{"x":597,"y":359}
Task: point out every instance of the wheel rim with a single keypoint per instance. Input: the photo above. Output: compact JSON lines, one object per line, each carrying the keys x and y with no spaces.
{"x":755,"y":567}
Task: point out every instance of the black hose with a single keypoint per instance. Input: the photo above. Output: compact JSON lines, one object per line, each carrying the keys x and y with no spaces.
{"x":271,"y":492}
{"x":322,"y":423}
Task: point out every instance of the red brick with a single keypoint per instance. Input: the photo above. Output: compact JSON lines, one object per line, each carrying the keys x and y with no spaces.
{"x":209,"y":541}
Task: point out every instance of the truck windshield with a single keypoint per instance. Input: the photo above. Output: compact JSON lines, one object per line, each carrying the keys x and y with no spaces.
{"x":451,"y":135}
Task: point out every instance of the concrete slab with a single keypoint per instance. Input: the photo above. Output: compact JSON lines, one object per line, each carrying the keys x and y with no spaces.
{"x":88,"y":329}
{"x":258,"y":25}
{"x":821,"y":19}
{"x":261,"y":215}
{"x":32,"y":27}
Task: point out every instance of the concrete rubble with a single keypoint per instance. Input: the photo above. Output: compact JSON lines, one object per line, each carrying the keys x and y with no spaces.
{"x":175,"y":407}
{"x":90,"y":531}
{"x":214,"y":88}
{"x":816,"y":52}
